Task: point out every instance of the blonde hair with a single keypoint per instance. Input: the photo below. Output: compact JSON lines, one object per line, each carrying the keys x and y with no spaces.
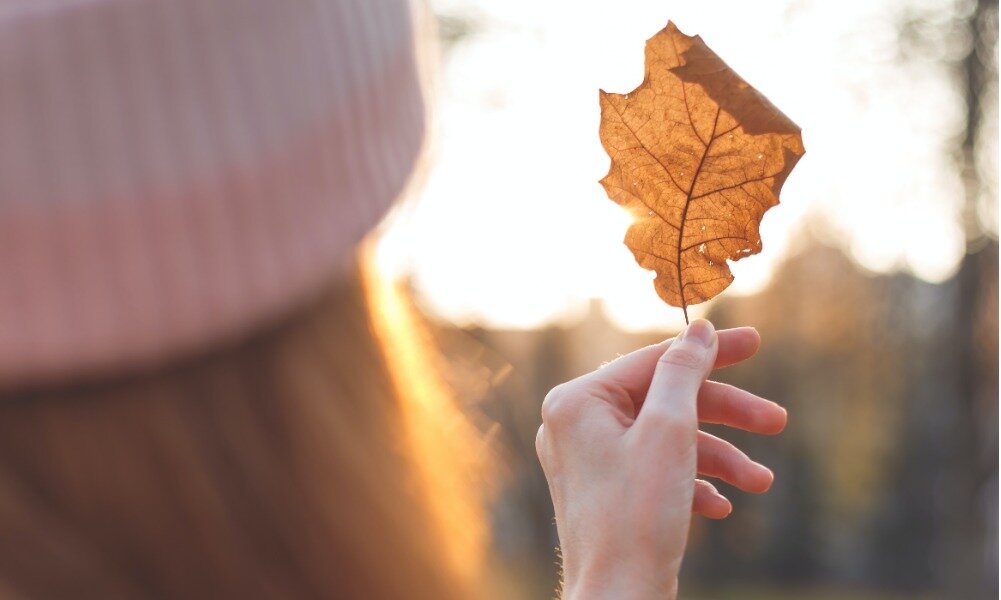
{"x":320,"y":458}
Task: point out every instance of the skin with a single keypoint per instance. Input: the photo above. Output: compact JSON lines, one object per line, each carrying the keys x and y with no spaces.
{"x":621,"y":449}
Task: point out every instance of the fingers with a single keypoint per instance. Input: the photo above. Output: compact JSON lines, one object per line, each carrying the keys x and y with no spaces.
{"x":737,"y":345}
{"x":710,"y":503}
{"x":722,"y":460}
{"x":632,"y":372}
{"x":727,"y":405}
{"x":680,"y":371}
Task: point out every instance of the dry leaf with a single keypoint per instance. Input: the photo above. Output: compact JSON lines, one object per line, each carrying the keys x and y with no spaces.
{"x":698,"y":156}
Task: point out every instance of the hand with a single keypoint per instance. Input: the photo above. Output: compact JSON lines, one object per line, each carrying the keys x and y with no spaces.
{"x":621,"y":448}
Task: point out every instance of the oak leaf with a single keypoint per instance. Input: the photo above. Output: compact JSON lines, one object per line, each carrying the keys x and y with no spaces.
{"x":698,"y":156}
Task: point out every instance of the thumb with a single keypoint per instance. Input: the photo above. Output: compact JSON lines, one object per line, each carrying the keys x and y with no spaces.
{"x":679,"y":375}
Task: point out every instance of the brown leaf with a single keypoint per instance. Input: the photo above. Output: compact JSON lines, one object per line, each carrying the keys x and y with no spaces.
{"x":698,"y":156}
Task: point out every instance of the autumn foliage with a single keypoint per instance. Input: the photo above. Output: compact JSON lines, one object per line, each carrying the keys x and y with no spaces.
{"x":698,"y":156}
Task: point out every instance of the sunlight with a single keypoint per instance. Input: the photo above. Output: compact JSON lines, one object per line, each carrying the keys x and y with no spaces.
{"x":513,"y":230}
{"x":426,"y":416}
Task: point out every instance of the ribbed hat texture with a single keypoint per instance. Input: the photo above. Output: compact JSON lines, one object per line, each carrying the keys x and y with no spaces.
{"x":173,"y":172}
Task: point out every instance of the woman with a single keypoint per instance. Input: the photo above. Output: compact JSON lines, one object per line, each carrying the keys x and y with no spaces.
{"x":207,"y":392}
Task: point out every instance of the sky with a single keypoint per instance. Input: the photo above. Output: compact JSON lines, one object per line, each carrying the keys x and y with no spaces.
{"x":511,"y":228}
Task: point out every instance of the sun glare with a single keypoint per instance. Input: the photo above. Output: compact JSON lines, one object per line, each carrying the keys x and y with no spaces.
{"x":513,"y":230}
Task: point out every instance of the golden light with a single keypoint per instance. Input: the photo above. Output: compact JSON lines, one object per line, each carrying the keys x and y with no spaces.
{"x":513,"y":230}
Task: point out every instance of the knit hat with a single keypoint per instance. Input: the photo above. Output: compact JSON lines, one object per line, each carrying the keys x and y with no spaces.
{"x":175,"y":172}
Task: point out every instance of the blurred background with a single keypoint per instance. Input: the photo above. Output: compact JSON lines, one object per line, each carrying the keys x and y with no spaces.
{"x":876,"y":293}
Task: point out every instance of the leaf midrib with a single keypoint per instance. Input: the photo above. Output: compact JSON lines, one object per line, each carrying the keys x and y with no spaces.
{"x":688,"y":196}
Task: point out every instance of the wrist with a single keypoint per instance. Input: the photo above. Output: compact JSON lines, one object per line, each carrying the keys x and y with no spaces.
{"x":619,"y":590}
{"x":623,"y":581}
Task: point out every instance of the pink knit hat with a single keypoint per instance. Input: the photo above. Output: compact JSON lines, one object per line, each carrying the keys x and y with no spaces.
{"x":174,"y":172}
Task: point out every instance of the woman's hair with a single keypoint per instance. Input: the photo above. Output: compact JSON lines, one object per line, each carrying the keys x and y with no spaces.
{"x":320,"y":458}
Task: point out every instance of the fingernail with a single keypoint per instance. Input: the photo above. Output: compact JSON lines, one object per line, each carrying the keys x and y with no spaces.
{"x":768,"y":473}
{"x":729,"y":505}
{"x":701,"y":331}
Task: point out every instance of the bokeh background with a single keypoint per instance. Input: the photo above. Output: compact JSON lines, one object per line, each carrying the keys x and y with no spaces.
{"x":876,"y":293}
